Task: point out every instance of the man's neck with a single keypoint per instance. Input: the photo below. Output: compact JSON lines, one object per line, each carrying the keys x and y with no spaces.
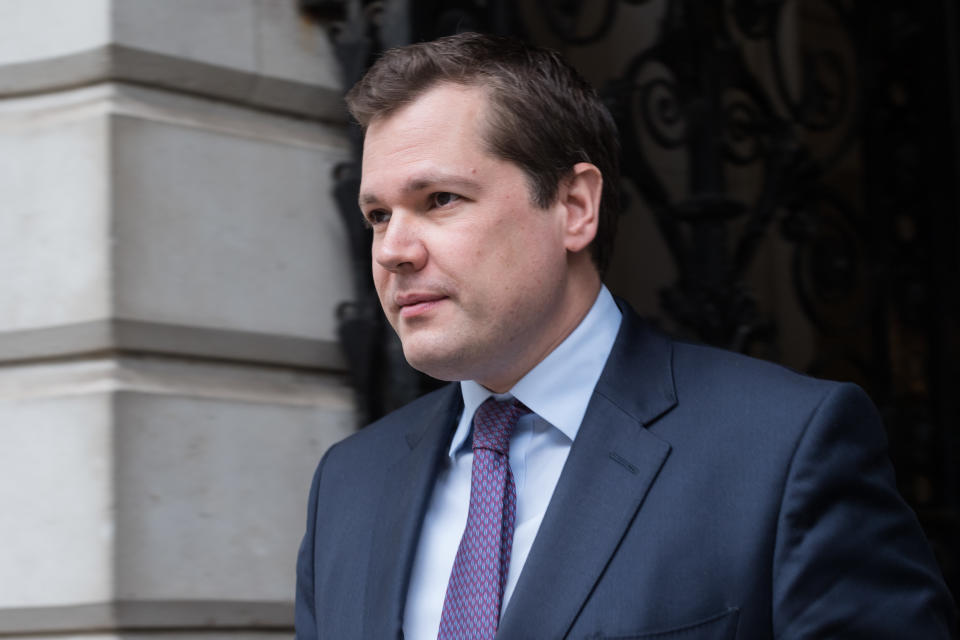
{"x":583,"y":289}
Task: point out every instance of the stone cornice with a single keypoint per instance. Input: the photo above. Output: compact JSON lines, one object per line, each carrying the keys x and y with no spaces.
{"x":135,"y":336}
{"x":149,"y":615}
{"x":116,"y":63}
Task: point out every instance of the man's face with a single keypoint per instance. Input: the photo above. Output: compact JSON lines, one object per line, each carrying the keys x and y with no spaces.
{"x":471,"y":274}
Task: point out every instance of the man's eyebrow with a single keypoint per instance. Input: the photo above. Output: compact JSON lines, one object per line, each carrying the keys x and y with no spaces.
{"x":368,"y":198}
{"x":426,"y":181}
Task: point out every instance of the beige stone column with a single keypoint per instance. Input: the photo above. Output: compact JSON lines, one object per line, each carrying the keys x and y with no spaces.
{"x":170,"y":263}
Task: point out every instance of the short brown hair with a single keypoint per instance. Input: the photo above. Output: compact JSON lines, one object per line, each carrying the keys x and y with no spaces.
{"x":543,"y":116}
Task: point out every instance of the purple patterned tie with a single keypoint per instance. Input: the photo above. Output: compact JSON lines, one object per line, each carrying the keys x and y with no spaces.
{"x":471,"y":608}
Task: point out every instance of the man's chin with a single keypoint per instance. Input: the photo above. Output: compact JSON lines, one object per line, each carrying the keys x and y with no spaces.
{"x":436,"y":363}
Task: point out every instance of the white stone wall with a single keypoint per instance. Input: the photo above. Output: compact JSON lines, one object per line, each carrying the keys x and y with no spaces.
{"x":170,"y":263}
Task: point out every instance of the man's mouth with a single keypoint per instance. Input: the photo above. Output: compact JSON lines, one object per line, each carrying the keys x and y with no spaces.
{"x":416,"y":304}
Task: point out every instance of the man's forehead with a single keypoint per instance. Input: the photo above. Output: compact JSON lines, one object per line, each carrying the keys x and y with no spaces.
{"x":441,"y":94}
{"x":436,"y":139}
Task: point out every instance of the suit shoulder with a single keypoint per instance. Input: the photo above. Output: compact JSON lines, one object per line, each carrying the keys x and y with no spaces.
{"x":756,"y":396}
{"x":728,"y":373}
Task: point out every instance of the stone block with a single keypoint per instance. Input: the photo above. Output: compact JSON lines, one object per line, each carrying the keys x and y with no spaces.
{"x":57,"y":500}
{"x":260,"y":37}
{"x":211,"y":493}
{"x":231,"y":229}
{"x":46,"y":29}
{"x":55,"y":241}
{"x":162,"y":635}
{"x":217,"y":32}
{"x":157,"y":493}
{"x":144,"y":220}
{"x":256,"y":52}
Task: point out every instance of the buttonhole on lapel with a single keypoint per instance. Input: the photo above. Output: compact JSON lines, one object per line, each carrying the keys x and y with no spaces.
{"x":623,"y":461}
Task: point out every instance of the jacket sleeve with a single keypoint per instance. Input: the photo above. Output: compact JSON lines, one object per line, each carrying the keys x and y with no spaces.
{"x":850,"y":559}
{"x":305,"y":614}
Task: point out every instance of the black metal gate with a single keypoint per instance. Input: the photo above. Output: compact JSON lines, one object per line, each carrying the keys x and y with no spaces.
{"x":832,"y":124}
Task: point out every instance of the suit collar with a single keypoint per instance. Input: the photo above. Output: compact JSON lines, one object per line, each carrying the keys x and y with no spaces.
{"x":638,"y":376}
{"x":613,"y":463}
{"x":431,"y":416}
{"x":394,"y":541}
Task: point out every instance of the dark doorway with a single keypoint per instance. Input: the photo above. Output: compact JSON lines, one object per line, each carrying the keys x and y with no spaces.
{"x":793,"y":168}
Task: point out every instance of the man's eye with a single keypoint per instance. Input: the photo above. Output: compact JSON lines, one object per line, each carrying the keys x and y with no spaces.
{"x":443,"y":198}
{"x":377,"y":216}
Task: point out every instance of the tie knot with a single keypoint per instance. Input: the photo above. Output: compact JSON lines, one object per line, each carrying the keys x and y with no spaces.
{"x":494,"y":422}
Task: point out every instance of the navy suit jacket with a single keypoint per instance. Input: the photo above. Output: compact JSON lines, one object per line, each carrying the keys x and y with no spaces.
{"x":707,"y":495}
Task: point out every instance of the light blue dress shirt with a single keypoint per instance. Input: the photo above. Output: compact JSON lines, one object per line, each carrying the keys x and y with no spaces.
{"x":557,"y":391}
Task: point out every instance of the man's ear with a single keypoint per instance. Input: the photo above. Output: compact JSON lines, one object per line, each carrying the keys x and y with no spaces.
{"x":580,"y":198}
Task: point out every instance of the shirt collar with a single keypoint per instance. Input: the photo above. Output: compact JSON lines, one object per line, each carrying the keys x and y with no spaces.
{"x":559,"y":388}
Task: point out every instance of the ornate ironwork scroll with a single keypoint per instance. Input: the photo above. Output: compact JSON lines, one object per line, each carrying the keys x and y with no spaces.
{"x":815,"y":119}
{"x":755,"y":149}
{"x":811,"y":117}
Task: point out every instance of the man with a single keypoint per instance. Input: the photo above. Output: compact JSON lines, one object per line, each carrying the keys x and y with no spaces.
{"x":618,"y":484}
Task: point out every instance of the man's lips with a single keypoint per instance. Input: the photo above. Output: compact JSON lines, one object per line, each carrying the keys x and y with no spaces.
{"x":416,"y":304}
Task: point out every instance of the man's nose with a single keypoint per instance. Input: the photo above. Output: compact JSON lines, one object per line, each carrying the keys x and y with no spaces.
{"x":400,"y":247}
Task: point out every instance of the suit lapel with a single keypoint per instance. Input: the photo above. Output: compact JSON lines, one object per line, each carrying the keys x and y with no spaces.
{"x":400,"y":515}
{"x":613,"y":463}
